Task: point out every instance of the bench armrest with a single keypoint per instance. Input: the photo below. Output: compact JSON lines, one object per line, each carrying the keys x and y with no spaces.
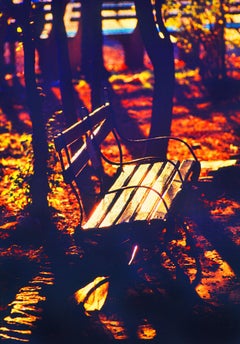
{"x":147,"y":158}
{"x":162,"y":138}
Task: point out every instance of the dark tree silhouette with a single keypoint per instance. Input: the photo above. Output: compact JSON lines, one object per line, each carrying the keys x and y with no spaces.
{"x":64,"y":67}
{"x":39,"y":184}
{"x":3,"y":25}
{"x":92,"y":66}
{"x":160,"y":50}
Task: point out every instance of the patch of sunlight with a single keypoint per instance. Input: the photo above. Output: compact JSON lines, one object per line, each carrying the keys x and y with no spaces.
{"x":217,"y":164}
{"x":5,"y":329}
{"x":215,"y":280}
{"x":145,"y":78}
{"x":93,"y":295}
{"x":180,"y":242}
{"x":186,"y":73}
{"x":205,"y":105}
{"x":44,"y":277}
{"x":180,"y":110}
{"x":146,"y":332}
{"x":15,"y":339}
{"x":168,"y":264}
{"x":8,"y":225}
{"x":203,"y":291}
{"x":25,"y":301}
{"x":116,"y":327}
{"x":23,"y":319}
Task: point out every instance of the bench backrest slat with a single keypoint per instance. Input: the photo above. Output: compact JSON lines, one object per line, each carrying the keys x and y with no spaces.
{"x":69,"y":135}
{"x":96,"y":126}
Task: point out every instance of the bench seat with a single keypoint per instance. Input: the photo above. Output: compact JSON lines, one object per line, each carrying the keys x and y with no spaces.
{"x":144,"y":192}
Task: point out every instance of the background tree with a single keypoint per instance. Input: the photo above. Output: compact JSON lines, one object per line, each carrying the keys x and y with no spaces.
{"x":158,"y":45}
{"x":92,"y":65}
{"x":64,"y":67}
{"x":39,"y":183}
{"x":3,"y":26}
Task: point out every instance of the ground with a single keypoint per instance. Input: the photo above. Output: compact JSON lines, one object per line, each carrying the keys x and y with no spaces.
{"x":184,"y":284}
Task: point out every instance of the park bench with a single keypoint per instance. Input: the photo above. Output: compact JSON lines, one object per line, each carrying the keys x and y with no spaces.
{"x":118,"y":18}
{"x":143,"y":190}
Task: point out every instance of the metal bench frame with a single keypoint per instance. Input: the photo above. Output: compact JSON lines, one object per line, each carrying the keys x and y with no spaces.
{"x":79,"y":150}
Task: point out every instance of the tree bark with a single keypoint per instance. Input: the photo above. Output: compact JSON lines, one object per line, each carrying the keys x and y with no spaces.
{"x":3,"y":25}
{"x":160,"y":51}
{"x":92,"y":64}
{"x":64,"y":67}
{"x":39,"y":184}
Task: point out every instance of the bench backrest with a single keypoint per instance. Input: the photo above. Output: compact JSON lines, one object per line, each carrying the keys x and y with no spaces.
{"x":77,"y":146}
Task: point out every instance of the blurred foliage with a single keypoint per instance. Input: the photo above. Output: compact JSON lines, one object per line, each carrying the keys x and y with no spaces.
{"x":201,"y":34}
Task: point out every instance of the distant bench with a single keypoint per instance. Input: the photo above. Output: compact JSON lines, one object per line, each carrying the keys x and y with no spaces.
{"x":118,"y":22}
{"x":118,"y":18}
{"x":143,"y":190}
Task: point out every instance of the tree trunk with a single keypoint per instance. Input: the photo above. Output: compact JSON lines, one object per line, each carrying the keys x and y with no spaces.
{"x":3,"y":25}
{"x":39,"y":185}
{"x":92,"y":65}
{"x":160,"y":51}
{"x":64,"y":67}
{"x":222,"y":45}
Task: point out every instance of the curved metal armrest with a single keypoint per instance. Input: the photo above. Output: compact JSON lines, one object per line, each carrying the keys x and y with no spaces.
{"x":159,"y":138}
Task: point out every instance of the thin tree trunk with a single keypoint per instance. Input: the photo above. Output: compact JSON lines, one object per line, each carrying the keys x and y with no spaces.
{"x":92,"y":64}
{"x":39,"y":184}
{"x":222,"y":44}
{"x":3,"y":25}
{"x":64,"y":67}
{"x":160,"y":51}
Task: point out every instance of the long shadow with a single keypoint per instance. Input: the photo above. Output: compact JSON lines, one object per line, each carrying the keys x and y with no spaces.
{"x":170,"y":304}
{"x":215,"y":231}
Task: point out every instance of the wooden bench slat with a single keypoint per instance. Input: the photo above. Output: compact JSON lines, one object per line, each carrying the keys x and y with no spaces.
{"x":96,"y":217}
{"x":138,"y":203}
{"x":81,"y":157}
{"x":143,"y":205}
{"x":140,"y":193}
{"x":152,"y":200}
{"x":79,"y":128}
{"x":174,"y":188}
{"x":125,"y":195}
{"x":107,"y":218}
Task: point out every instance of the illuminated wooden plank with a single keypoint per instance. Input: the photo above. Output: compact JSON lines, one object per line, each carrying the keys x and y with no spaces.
{"x":173,"y":189}
{"x":125,"y":196}
{"x":105,"y":203}
{"x":140,"y":203}
{"x":156,"y":178}
{"x":160,"y":184}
